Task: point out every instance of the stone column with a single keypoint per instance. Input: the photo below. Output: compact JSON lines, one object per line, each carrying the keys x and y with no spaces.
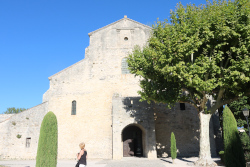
{"x":116,"y":128}
{"x":151,"y":139}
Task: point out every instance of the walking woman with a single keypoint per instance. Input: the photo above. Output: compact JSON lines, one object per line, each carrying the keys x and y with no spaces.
{"x":82,"y":155}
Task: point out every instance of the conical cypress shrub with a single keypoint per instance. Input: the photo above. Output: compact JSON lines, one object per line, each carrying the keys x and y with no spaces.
{"x":233,"y":153}
{"x":173,"y":147}
{"x":47,"y":145}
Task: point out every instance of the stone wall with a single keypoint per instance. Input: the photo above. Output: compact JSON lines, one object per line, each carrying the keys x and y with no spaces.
{"x":19,"y":128}
{"x":4,"y":117}
{"x":184,"y":124}
{"x":158,"y":122}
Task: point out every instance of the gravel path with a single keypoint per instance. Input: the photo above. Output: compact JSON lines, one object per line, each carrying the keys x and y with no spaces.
{"x":125,"y":162}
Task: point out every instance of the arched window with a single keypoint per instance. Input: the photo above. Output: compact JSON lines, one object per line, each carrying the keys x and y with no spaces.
{"x":73,"y":111}
{"x":125,"y":69}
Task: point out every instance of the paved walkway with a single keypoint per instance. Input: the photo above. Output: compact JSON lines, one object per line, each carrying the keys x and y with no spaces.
{"x":125,"y":162}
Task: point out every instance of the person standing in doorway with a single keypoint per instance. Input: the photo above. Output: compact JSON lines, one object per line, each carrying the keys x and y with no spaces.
{"x":82,"y":155}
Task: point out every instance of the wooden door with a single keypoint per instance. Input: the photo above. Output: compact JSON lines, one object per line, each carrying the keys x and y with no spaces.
{"x":132,"y":141}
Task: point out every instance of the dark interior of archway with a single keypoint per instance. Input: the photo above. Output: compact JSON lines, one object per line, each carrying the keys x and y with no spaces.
{"x":132,"y":142}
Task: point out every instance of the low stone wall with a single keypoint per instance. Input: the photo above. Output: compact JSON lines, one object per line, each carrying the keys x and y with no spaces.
{"x":20,"y":133}
{"x":4,"y":117}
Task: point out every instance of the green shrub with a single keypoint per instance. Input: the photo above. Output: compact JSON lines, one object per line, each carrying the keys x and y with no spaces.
{"x":173,"y":147}
{"x":233,"y":152}
{"x":221,"y":153}
{"x":245,"y":140}
{"x":47,"y":145}
{"x":18,"y":136}
{"x":247,"y":156}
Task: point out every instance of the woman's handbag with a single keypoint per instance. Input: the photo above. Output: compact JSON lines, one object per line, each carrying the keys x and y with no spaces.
{"x":77,"y":165}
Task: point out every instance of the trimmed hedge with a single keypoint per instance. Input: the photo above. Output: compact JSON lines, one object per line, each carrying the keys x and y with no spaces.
{"x":173,"y":147}
{"x":233,"y":153}
{"x":48,"y":142}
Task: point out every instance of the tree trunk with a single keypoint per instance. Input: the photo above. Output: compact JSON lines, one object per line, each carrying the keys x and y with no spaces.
{"x":205,"y":153}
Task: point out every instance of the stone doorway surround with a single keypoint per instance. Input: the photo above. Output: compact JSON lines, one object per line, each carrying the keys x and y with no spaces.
{"x":129,"y":111}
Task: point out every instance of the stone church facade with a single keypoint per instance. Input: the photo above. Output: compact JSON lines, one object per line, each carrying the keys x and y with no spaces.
{"x":96,"y":102}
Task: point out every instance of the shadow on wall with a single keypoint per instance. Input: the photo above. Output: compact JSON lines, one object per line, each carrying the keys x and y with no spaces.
{"x":160,"y":121}
{"x":143,"y":116}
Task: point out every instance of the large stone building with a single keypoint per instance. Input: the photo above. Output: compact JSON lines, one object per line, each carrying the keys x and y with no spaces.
{"x":96,"y":102}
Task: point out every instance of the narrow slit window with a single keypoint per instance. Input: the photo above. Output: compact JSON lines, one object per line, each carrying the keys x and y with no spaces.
{"x":73,"y":111}
{"x":28,"y":140}
{"x":125,"y":69}
{"x":182,"y":106}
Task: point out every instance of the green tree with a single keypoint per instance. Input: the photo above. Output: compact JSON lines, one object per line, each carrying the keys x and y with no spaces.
{"x":173,"y":147}
{"x":237,"y":108}
{"x":233,"y":154}
{"x":14,"y":110}
{"x":48,"y":142}
{"x":201,"y":53}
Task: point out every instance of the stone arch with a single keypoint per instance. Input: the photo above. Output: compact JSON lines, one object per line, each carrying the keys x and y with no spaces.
{"x":133,"y":139}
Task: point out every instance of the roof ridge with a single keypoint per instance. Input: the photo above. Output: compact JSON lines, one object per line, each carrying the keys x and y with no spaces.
{"x":125,"y":18}
{"x":66,"y":68}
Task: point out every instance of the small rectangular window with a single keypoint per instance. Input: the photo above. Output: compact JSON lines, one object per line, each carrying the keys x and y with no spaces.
{"x":28,"y":140}
{"x":182,"y":106}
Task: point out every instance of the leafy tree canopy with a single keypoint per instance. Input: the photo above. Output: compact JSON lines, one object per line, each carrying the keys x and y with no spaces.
{"x":201,"y":51}
{"x":237,"y":108}
{"x":14,"y":110}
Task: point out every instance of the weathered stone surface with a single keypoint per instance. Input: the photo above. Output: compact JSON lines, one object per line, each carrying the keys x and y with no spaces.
{"x":4,"y":117}
{"x":25,"y":125}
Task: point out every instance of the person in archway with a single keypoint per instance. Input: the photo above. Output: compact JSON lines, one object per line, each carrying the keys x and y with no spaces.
{"x":82,"y":155}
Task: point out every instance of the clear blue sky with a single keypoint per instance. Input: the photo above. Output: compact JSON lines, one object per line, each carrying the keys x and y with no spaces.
{"x":39,"y":38}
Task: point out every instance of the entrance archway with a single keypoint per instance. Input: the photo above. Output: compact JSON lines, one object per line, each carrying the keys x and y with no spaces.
{"x":132,"y":141}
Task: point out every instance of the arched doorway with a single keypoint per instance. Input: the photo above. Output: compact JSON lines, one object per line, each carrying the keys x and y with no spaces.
{"x":132,"y":141}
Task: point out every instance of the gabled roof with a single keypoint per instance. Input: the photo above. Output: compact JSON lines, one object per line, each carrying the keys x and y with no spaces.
{"x":125,"y":18}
